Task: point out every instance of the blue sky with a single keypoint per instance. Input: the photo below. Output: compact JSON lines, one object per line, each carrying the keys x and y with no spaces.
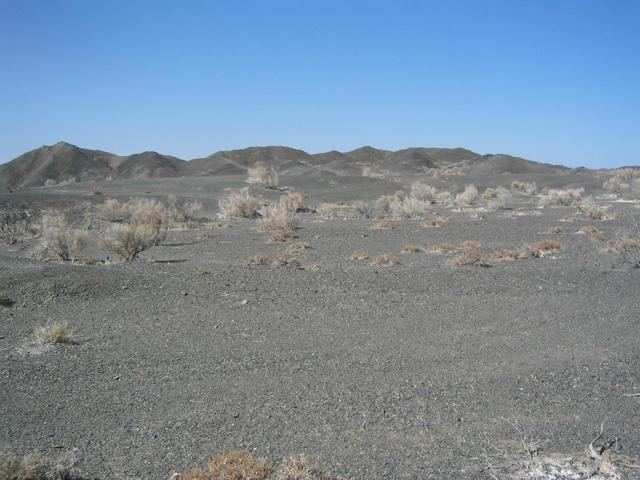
{"x":555,"y":81}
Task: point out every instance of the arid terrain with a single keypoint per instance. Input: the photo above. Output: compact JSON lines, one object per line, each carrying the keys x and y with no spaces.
{"x":369,"y":309}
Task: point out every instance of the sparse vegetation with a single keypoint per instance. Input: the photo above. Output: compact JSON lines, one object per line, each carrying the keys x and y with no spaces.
{"x":591,"y":209}
{"x":363,"y":209}
{"x":625,"y":182}
{"x":283,"y":234}
{"x":284,"y":259}
{"x":55,"y":333}
{"x":544,"y":247}
{"x":411,"y":248}
{"x":530,"y":188}
{"x":435,"y":222}
{"x":259,"y":259}
{"x":234,"y":465}
{"x":470,"y":257}
{"x":509,"y":254}
{"x":240,"y":204}
{"x":296,"y":202}
{"x":443,"y":248}
{"x":58,"y":239}
{"x":562,"y":198}
{"x":468,"y":197}
{"x":296,"y":248}
{"x":113,"y":211}
{"x":263,"y":175}
{"x":359,"y":255}
{"x":496,"y":197}
{"x":145,"y":227}
{"x":554,"y":231}
{"x":279,"y":215}
{"x":35,"y":467}
{"x":384,"y":261}
{"x":384,"y":224}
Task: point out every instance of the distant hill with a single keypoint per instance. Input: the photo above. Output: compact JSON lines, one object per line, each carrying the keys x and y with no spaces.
{"x":64,"y":162}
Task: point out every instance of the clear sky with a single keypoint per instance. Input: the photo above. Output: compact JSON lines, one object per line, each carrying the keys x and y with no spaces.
{"x":550,"y":80}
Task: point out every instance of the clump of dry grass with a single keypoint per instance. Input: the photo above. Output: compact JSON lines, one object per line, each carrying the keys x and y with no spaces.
{"x":58,"y":239}
{"x":203,"y":270}
{"x":283,"y":234}
{"x":296,"y":248}
{"x":261,"y":174}
{"x":385,"y":201}
{"x":591,"y":209}
{"x":530,"y":188}
{"x":597,"y":236}
{"x":562,"y":198}
{"x":363,"y":209}
{"x":428,"y":194}
{"x":112,"y":210}
{"x":543,"y":247}
{"x":284,"y":259}
{"x":233,"y":465}
{"x":409,"y":207}
{"x":509,"y":254}
{"x":177,"y":213}
{"x":35,"y":467}
{"x":554,"y":231}
{"x":587,"y":229}
{"x":259,"y":259}
{"x":443,"y":248}
{"x":568,"y":218}
{"x":359,"y":255}
{"x":145,"y":227}
{"x":296,"y":201}
{"x":468,"y":197}
{"x":410,"y":248}
{"x":300,"y":467}
{"x":56,"y":332}
{"x":470,"y":257}
{"x":497,"y":197}
{"x":4,"y":300}
{"x":384,"y":224}
{"x":95,"y":190}
{"x":469,"y":244}
{"x":278,"y":215}
{"x":435,"y":222}
{"x":384,"y":261}
{"x":240,"y":204}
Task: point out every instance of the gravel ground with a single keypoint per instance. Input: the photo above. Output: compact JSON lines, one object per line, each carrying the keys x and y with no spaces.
{"x":404,"y":372}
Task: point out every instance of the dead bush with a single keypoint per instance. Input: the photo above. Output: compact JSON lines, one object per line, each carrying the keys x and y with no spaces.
{"x":300,"y":467}
{"x":497,"y":198}
{"x":544,"y":247}
{"x":279,"y":215}
{"x":113,"y":211}
{"x":35,"y":467}
{"x":409,"y":207}
{"x":443,"y":248}
{"x":363,"y":209}
{"x":284,"y":259}
{"x":625,"y":182}
{"x":296,"y":202}
{"x":470,"y":257}
{"x":468,"y":197}
{"x":296,"y":248}
{"x":146,"y":227}
{"x":359,"y":255}
{"x":259,"y":259}
{"x":263,"y":175}
{"x":435,"y":222}
{"x":591,"y":209}
{"x":240,"y":204}
{"x":384,"y":224}
{"x":234,"y":465}
{"x":509,"y":254}
{"x":587,"y":230}
{"x":95,"y":190}
{"x":411,"y":248}
{"x":283,"y":234}
{"x":554,"y":230}
{"x":530,"y":188}
{"x":385,"y":201}
{"x":385,"y":261}
{"x":56,"y":332}
{"x":562,"y":198}
{"x":469,"y":244}
{"x":58,"y":239}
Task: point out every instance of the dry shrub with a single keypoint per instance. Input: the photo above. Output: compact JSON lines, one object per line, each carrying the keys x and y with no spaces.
{"x":94,"y":190}
{"x":543,"y":247}
{"x":554,"y":230}
{"x":146,"y":227}
{"x":443,"y":248}
{"x":240,"y":204}
{"x":497,"y":197}
{"x":284,"y":259}
{"x":469,"y":244}
{"x":277,"y":215}
{"x":509,"y":254}
{"x":283,"y":234}
{"x":57,"y":332}
{"x":384,"y":224}
{"x":435,"y":222}
{"x":296,"y":248}
{"x":625,"y":182}
{"x":470,"y":257}
{"x":35,"y":467}
{"x":468,"y":197}
{"x":409,"y":207}
{"x":194,"y":210}
{"x":234,"y":465}
{"x":363,"y":209}
{"x":385,"y":201}
{"x":203,"y":270}
{"x":385,"y":261}
{"x":300,"y":467}
{"x":597,"y":236}
{"x":259,"y":259}
{"x":261,"y":174}
{"x":113,"y":211}
{"x":591,"y":209}
{"x":410,"y":248}
{"x":530,"y":188}
{"x":562,"y":198}
{"x":58,"y":239}
{"x":359,"y":255}
{"x":587,"y":229}
{"x":296,"y":201}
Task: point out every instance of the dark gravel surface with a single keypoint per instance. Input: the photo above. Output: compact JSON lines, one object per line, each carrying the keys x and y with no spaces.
{"x":401,"y":372}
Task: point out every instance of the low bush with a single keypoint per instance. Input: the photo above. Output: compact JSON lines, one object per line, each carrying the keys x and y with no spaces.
{"x":384,"y":224}
{"x":359,"y":255}
{"x":435,"y":222}
{"x":470,"y":257}
{"x":468,"y":197}
{"x":543,"y":247}
{"x":384,"y":261}
{"x":509,"y":254}
{"x":562,"y":198}
{"x":530,"y":188}
{"x":411,"y":248}
{"x":496,"y":198}
{"x":58,"y":239}
{"x":240,"y":204}
{"x":261,"y":174}
{"x":57,"y":333}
